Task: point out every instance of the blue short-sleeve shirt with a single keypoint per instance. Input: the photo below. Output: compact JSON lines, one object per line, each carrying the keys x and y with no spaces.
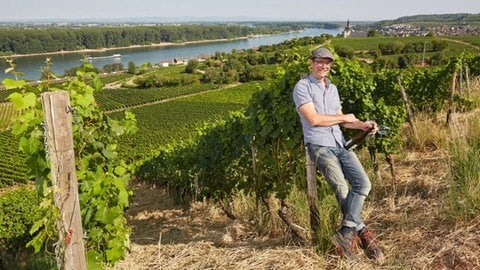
{"x":325,"y":101}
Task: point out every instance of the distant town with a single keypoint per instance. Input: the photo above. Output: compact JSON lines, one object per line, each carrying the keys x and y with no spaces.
{"x":405,"y":29}
{"x":458,"y":24}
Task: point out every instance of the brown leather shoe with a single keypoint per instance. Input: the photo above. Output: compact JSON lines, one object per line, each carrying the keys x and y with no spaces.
{"x":344,"y":245}
{"x":372,"y":249}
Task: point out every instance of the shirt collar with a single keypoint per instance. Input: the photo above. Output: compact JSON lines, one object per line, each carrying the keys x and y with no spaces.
{"x":316,"y":81}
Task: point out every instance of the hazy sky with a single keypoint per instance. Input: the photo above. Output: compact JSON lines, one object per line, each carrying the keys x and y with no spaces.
{"x":269,"y":9}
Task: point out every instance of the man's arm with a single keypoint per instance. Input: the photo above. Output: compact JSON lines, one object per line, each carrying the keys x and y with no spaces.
{"x":315,"y":119}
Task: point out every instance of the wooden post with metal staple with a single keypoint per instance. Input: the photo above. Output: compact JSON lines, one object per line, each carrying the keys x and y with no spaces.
{"x":59,"y":148}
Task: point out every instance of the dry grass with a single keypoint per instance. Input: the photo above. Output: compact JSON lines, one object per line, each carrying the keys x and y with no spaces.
{"x":408,"y":215}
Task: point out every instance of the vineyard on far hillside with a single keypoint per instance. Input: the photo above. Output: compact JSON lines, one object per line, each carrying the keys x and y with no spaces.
{"x":181,"y":118}
{"x":124,"y":98}
{"x":12,"y":167}
{"x":6,"y":114}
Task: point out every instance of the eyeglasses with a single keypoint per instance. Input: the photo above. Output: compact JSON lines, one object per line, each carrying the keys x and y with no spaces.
{"x":322,"y":62}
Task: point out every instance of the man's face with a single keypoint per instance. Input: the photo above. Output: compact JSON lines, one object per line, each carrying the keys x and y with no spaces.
{"x":320,"y":66}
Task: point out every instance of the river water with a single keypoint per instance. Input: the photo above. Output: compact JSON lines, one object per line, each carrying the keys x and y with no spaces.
{"x":32,"y":66}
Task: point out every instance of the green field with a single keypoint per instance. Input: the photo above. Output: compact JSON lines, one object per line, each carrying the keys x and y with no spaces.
{"x":371,"y":43}
{"x":474,"y":40}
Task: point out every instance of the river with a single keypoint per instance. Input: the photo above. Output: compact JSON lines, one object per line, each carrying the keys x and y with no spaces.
{"x":32,"y":66}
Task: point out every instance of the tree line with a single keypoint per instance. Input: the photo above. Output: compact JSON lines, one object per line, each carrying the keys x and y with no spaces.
{"x":25,"y":41}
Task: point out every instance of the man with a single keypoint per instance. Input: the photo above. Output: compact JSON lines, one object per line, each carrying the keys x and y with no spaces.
{"x":318,"y":105}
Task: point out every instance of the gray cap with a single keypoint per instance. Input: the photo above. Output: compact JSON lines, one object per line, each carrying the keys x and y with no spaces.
{"x":322,"y":53}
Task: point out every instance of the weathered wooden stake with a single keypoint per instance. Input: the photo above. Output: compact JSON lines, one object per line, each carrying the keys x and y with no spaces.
{"x":312,"y":198}
{"x":467,"y":81}
{"x":58,"y":122}
{"x":451,"y":105}
{"x":410,"y":119}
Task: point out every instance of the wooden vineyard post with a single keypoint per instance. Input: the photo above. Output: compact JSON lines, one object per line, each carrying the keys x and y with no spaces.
{"x":59,"y":148}
{"x":451,"y":108}
{"x":407,"y":106}
{"x":312,"y":198}
{"x":467,"y":81}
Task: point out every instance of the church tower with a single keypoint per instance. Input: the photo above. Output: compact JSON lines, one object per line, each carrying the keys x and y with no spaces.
{"x":348,"y":29}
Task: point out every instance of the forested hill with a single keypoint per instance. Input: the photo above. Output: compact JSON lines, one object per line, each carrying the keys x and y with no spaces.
{"x":454,"y":19}
{"x":35,"y":40}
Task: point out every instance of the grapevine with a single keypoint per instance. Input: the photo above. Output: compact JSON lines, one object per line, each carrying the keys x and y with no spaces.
{"x":102,"y":175}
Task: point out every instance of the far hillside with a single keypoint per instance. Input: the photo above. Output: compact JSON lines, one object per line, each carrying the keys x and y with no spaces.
{"x":450,"y":19}
{"x":421,"y":25}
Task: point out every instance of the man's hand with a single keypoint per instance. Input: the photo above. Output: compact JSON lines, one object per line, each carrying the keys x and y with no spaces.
{"x":370,"y":125}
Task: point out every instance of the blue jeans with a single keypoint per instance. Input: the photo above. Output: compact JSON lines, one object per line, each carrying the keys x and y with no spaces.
{"x":341,"y":169}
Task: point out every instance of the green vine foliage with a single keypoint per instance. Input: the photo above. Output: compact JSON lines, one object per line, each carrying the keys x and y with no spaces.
{"x":389,"y":110}
{"x":428,"y":89}
{"x":274,"y":124}
{"x":222,"y":159}
{"x":18,"y":210}
{"x":355,"y":86}
{"x":216,"y":165}
{"x":102,"y":175}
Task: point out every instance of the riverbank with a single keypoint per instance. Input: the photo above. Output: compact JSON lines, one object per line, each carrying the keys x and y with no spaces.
{"x":153,"y":45}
